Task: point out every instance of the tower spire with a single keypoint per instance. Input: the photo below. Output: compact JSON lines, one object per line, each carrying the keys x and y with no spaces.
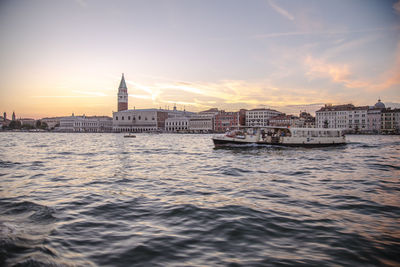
{"x":122,"y":95}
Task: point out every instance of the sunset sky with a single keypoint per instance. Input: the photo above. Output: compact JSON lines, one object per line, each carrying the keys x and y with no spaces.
{"x":64,"y":56}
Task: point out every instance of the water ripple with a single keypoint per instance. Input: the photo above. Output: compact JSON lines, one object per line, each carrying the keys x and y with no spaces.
{"x":102,"y":200}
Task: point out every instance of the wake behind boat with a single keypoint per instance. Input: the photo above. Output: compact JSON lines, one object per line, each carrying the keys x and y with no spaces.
{"x":282,"y":136}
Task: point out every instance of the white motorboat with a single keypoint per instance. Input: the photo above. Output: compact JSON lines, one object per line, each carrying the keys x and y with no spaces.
{"x":130,"y":135}
{"x":282,"y":136}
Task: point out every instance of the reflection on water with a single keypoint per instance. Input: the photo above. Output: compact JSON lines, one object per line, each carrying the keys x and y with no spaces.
{"x":101,"y":199}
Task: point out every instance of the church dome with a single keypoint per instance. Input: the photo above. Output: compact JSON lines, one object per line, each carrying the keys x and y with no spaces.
{"x":379,"y":104}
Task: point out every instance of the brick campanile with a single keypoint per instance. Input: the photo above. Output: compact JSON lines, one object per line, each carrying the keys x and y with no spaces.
{"x":122,"y":95}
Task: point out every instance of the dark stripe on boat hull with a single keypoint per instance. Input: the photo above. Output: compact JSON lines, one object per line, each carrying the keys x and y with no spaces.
{"x":219,"y":142}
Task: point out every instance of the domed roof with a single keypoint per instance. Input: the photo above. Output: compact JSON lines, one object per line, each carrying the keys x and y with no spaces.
{"x":379,"y":104}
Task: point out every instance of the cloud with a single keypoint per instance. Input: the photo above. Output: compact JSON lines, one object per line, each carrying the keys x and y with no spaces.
{"x":140,"y":96}
{"x":392,"y":76}
{"x":341,"y":73}
{"x":59,"y":96}
{"x":396,"y":7}
{"x":232,"y":95}
{"x":82,"y":3}
{"x":338,"y":73}
{"x":81,"y":94}
{"x":324,"y":33}
{"x":90,"y":93}
{"x":280,"y":10}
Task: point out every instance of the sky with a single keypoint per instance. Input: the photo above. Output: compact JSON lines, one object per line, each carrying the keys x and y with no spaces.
{"x":67,"y":56}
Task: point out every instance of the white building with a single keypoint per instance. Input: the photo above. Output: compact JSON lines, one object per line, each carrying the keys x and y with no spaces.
{"x":353,"y":119}
{"x":139,"y":120}
{"x":177,"y":124}
{"x":333,"y":116}
{"x":90,"y":124}
{"x":201,"y":123}
{"x":374,"y":117}
{"x":358,"y":119}
{"x":260,"y":117}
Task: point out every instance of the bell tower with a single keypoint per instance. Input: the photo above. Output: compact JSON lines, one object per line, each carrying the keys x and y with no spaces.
{"x":122,"y":95}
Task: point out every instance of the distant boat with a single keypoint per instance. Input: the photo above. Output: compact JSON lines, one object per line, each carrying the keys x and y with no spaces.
{"x":282,"y":136}
{"x":130,"y":136}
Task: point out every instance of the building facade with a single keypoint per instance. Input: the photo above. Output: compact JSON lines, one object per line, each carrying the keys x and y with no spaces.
{"x":139,"y":120}
{"x":27,"y":122}
{"x":364,"y":119}
{"x":260,"y":117}
{"x":284,"y":120}
{"x":358,"y":119}
{"x":390,"y":121}
{"x":85,"y":124}
{"x":306,"y":120}
{"x":333,"y":116}
{"x":374,"y":117}
{"x":177,"y":124}
{"x":201,"y":123}
{"x":225,"y":120}
{"x":51,"y":122}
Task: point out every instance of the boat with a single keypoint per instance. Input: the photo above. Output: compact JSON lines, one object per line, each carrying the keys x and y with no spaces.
{"x":281,"y":136}
{"x":130,"y":135}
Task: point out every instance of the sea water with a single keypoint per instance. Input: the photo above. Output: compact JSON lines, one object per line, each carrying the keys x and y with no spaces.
{"x":174,"y":200}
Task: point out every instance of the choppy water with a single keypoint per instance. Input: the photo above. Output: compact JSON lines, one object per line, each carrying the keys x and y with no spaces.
{"x":173,"y":200}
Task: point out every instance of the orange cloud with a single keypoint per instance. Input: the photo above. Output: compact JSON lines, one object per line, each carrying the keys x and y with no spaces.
{"x":391,"y":77}
{"x":338,"y":73}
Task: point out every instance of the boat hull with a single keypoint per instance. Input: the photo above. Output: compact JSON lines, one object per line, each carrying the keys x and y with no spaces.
{"x":227,"y":142}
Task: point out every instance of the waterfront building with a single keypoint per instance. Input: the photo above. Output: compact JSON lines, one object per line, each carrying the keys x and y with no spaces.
{"x":336,"y":116}
{"x":225,"y":121}
{"x":374,"y":117}
{"x":28,"y":122}
{"x":13,"y":116}
{"x":363,"y":119}
{"x":374,"y":120}
{"x":201,"y":123}
{"x":306,"y":120}
{"x":139,"y":120}
{"x":177,"y":124}
{"x":260,"y":117}
{"x":4,"y":122}
{"x":284,"y":120}
{"x":242,"y":117}
{"x":89,"y":124}
{"x":357,"y":119}
{"x":51,"y":122}
{"x":390,"y":121}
